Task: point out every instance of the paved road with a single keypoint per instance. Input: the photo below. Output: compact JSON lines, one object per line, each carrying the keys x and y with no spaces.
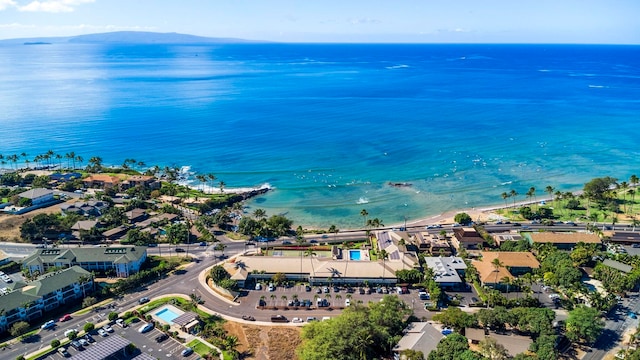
{"x":616,"y":324}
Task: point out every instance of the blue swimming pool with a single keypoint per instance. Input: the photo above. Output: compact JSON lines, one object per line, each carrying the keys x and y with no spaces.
{"x":167,"y":315}
{"x":354,"y":255}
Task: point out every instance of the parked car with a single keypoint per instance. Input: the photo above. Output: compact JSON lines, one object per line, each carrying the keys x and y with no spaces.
{"x":121,"y":323}
{"x":65,"y":317}
{"x":83,"y":342}
{"x":297,"y":320}
{"x":48,"y":325}
{"x":311,"y":318}
{"x":63,"y":351}
{"x":272,"y":287}
{"x":69,"y":332}
{"x":186,"y":352}
{"x":203,"y":243}
{"x":143,"y":300}
{"x":423,"y":295}
{"x":89,"y":338}
{"x":248,"y":318}
{"x":307,"y":288}
{"x":258,"y":286}
{"x":107,"y":328}
{"x":325,"y":289}
{"x":102,"y":333}
{"x":279,"y":318}
{"x":180,"y":250}
{"x":446,"y":330}
{"x":146,"y":327}
{"x":162,"y":337}
{"x":347,"y":302}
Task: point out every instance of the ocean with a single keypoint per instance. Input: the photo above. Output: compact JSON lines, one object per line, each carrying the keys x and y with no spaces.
{"x":328,"y":126}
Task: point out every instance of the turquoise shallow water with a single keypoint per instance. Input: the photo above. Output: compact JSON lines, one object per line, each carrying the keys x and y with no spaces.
{"x":328,"y":126}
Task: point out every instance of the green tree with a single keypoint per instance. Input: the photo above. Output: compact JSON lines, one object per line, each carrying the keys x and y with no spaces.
{"x":359,"y":333}
{"x":112,"y":316}
{"x":89,"y":301}
{"x":453,"y":347}
{"x":55,"y":343}
{"x":88,"y":327}
{"x":490,"y":349}
{"x":410,"y":354}
{"x":584,"y":324}
{"x":462,"y":218}
{"x":455,"y":317}
{"x":19,"y":328}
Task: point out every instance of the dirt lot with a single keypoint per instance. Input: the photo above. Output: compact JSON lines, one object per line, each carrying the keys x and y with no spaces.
{"x":266,"y":342}
{"x":10,"y":224}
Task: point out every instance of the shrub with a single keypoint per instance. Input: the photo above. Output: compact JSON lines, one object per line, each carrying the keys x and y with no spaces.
{"x":113,"y":315}
{"x":88,"y":327}
{"x":55,"y":343}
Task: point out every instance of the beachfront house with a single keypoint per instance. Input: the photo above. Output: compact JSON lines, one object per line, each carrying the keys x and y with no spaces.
{"x":140,"y":181}
{"x":26,"y":301}
{"x":502,"y":238}
{"x":466,"y":238}
{"x":121,"y":260}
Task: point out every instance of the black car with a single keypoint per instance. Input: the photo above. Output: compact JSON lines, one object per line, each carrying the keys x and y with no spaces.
{"x":89,"y":338}
{"x":307,"y":288}
{"x":179,"y":250}
{"x":76,"y":345}
{"x":162,"y":337}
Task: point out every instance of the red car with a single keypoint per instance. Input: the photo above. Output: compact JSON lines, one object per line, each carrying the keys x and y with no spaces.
{"x":67,"y":317}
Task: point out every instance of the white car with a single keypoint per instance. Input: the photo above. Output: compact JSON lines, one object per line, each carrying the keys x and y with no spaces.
{"x":107,"y":328}
{"x":121,"y":323}
{"x":347,"y":302}
{"x":102,"y":333}
{"x":48,"y":325}
{"x":69,"y":332}
{"x":554,"y":296}
{"x":297,"y":320}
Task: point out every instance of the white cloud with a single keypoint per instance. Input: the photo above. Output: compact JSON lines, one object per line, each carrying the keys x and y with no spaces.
{"x":7,"y":3}
{"x":52,"y":6}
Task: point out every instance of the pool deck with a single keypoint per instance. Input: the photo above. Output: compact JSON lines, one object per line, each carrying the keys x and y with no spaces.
{"x":167,"y":306}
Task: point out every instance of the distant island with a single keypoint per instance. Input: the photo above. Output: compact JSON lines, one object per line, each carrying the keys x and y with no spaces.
{"x":128,"y":37}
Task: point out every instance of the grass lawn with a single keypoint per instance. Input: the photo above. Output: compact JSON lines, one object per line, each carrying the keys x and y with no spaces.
{"x":199,"y":347}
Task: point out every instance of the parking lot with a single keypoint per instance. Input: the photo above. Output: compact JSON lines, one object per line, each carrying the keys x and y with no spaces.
{"x":282,"y":296}
{"x":167,"y":349}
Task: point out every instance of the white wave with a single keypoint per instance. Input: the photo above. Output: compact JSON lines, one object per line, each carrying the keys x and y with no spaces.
{"x":401,"y":66}
{"x":362,"y":200}
{"x":506,"y":183}
{"x":597,"y":86}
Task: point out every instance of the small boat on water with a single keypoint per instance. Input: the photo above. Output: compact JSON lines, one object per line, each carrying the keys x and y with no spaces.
{"x":400,"y":184}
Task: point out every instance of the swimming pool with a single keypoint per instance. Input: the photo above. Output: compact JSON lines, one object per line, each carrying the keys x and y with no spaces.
{"x":354,"y":255}
{"x":167,"y":315}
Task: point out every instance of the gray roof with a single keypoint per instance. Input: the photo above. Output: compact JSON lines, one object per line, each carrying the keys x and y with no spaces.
{"x":35,"y":193}
{"x":84,"y":225}
{"x":185,"y":318}
{"x":103,"y":348}
{"x":618,"y":265}
{"x":116,"y":254}
{"x":27,"y":292}
{"x":445,"y":268}
{"x":420,"y":336}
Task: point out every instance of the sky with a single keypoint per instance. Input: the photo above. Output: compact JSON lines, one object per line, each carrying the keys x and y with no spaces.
{"x":401,"y":21}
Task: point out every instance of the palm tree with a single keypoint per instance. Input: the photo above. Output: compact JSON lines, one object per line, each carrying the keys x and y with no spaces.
{"x":497,"y":264}
{"x":549,"y":190}
{"x":505,"y":196}
{"x":221,"y":185}
{"x":273,"y":298}
{"x":334,"y":230}
{"x":284,"y":300}
{"x":507,"y":281}
{"x":259,"y":214}
{"x":364,"y":214}
{"x":211,"y":178}
{"x":513,"y":194}
{"x":309,"y":252}
{"x":383,"y":255}
{"x":202,"y":180}
{"x":80,"y":160}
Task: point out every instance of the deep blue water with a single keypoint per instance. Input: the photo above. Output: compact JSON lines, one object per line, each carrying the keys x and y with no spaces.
{"x":329,"y":125}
